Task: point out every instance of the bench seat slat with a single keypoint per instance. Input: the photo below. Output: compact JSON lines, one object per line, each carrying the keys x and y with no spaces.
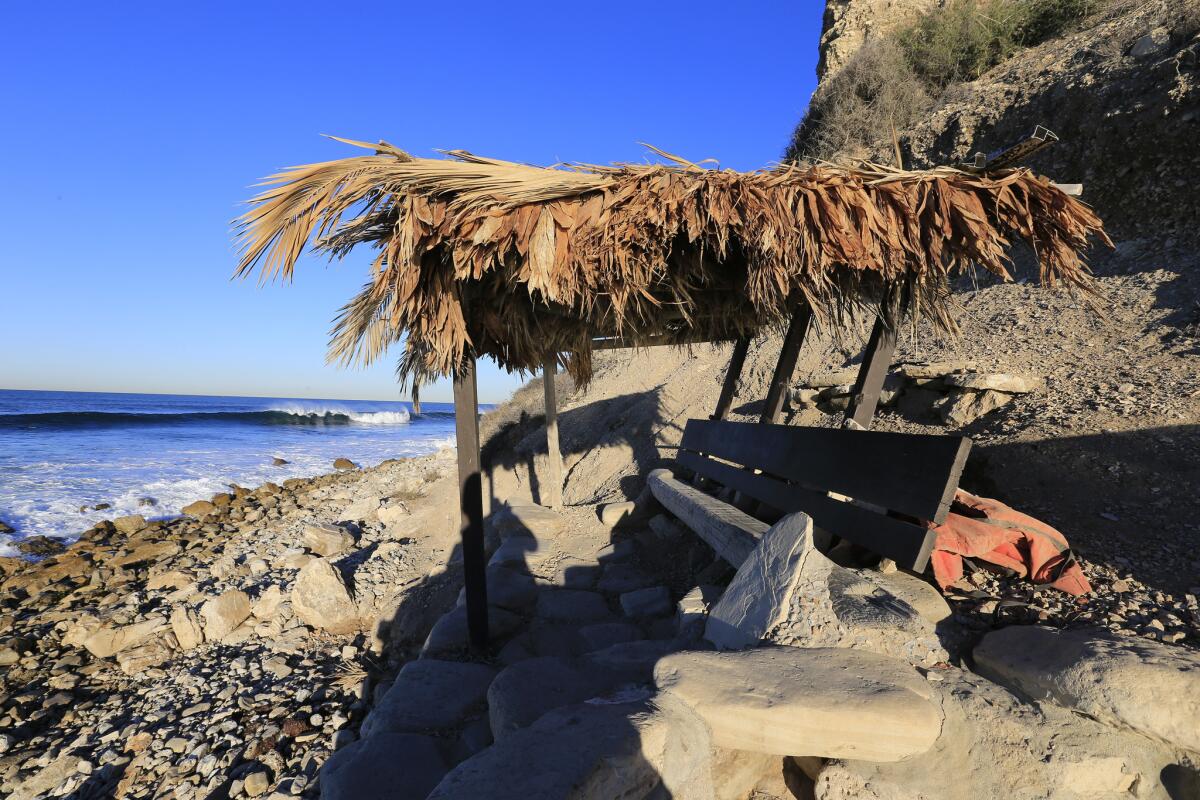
{"x":907,"y":544}
{"x":913,"y":474}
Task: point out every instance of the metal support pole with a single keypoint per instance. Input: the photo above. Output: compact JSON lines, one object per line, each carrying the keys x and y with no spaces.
{"x":470,"y":498}
{"x":729,"y":388}
{"x":786,"y":365}
{"x":877,"y":358}
{"x":554,"y":480}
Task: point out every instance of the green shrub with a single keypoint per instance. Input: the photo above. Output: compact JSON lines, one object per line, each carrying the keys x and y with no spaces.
{"x":895,"y":79}
{"x":965,"y":38}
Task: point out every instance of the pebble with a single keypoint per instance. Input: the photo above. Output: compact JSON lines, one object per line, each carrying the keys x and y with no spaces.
{"x":256,"y":783}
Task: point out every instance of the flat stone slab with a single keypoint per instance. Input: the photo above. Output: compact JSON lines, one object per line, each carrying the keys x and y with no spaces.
{"x":622,"y":577}
{"x":529,"y":520}
{"x":525,"y":691}
{"x":582,"y":752}
{"x":430,"y":696}
{"x":827,"y":702}
{"x":572,"y":605}
{"x":996,"y":381}
{"x":386,"y":766}
{"x":654,"y":601}
{"x":759,"y":596}
{"x":1148,"y":686}
{"x":605,"y":634}
{"x":575,"y":573}
{"x":520,"y":553}
{"x":450,"y":633}
{"x":509,"y":588}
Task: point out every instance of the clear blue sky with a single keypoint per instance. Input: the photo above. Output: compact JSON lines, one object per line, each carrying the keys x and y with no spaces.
{"x":131,"y":131}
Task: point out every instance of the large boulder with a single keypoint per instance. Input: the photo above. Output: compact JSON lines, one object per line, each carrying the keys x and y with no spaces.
{"x":321,"y":600}
{"x":613,"y":749}
{"x":994,"y":745}
{"x":431,"y":696}
{"x":108,"y":640}
{"x":43,"y":782}
{"x":386,"y":766}
{"x":1145,"y":685}
{"x":130,"y":524}
{"x":524,"y":691}
{"x":833,"y":703}
{"x":451,"y":633}
{"x":200,"y":508}
{"x":224,"y":613}
{"x":583,"y":752}
{"x":572,"y":605}
{"x":186,"y":627}
{"x":788,"y":592}
{"x":528,"y":520}
{"x":327,"y":540}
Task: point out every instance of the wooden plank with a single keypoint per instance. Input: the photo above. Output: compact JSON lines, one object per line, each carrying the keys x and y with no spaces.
{"x":914,"y":474}
{"x":470,"y":498}
{"x":876,"y":360}
{"x":728,"y":389}
{"x":907,"y":544}
{"x":786,"y":365}
{"x":731,"y":533}
{"x":662,"y":340}
{"x":554,"y":471}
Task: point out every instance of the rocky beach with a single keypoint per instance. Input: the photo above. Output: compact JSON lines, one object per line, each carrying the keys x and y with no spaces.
{"x":222,"y":652}
{"x":653,"y":633}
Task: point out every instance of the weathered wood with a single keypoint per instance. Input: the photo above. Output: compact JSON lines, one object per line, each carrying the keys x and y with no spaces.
{"x":552,"y":487}
{"x":797,"y":330}
{"x":470,"y":494}
{"x":728,"y":389}
{"x":732,"y":534}
{"x":663,"y":340}
{"x":907,"y":544}
{"x":912,"y":474}
{"x":867,"y":386}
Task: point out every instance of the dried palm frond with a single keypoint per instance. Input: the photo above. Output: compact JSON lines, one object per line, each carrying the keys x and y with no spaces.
{"x":491,"y":257}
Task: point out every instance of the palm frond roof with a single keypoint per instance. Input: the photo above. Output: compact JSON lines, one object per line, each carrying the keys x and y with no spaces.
{"x":486,"y":257}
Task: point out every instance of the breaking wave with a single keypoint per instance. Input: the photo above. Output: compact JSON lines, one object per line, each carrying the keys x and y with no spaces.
{"x":270,"y":416}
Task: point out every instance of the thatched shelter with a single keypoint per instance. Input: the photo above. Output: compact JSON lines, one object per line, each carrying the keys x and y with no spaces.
{"x":517,"y":262}
{"x":535,"y":266}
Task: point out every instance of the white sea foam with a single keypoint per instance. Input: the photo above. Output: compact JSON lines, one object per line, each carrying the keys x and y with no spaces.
{"x":366,"y":417}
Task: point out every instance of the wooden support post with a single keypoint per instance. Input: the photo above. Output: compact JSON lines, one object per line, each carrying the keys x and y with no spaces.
{"x":470,"y":498}
{"x":552,"y":486}
{"x":786,"y":364}
{"x":729,"y":388}
{"x":876,"y":360}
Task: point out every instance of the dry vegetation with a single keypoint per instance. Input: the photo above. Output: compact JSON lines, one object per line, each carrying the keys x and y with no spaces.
{"x":521,"y":263}
{"x":897,"y":78}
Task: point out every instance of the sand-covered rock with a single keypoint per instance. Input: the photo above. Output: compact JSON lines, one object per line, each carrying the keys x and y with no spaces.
{"x":320,"y":598}
{"x":327,"y":540}
{"x":224,"y":613}
{"x":835,"y":703}
{"x":1145,"y":685}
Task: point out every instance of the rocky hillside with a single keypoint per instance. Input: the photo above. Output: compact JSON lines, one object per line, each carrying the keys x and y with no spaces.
{"x":1123,"y":93}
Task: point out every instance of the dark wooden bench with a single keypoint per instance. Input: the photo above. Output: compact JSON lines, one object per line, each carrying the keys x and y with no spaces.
{"x":868,"y":487}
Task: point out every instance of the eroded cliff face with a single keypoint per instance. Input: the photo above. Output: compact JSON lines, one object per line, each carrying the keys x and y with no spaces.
{"x":850,"y":23}
{"x":1123,"y":94}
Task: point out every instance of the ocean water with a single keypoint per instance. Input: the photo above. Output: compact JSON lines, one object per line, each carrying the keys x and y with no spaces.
{"x":62,"y":451}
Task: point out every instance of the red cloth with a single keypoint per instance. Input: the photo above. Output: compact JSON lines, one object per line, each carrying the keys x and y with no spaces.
{"x":978,"y":527}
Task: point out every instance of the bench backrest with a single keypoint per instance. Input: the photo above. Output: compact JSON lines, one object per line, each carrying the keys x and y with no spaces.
{"x":792,"y":468}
